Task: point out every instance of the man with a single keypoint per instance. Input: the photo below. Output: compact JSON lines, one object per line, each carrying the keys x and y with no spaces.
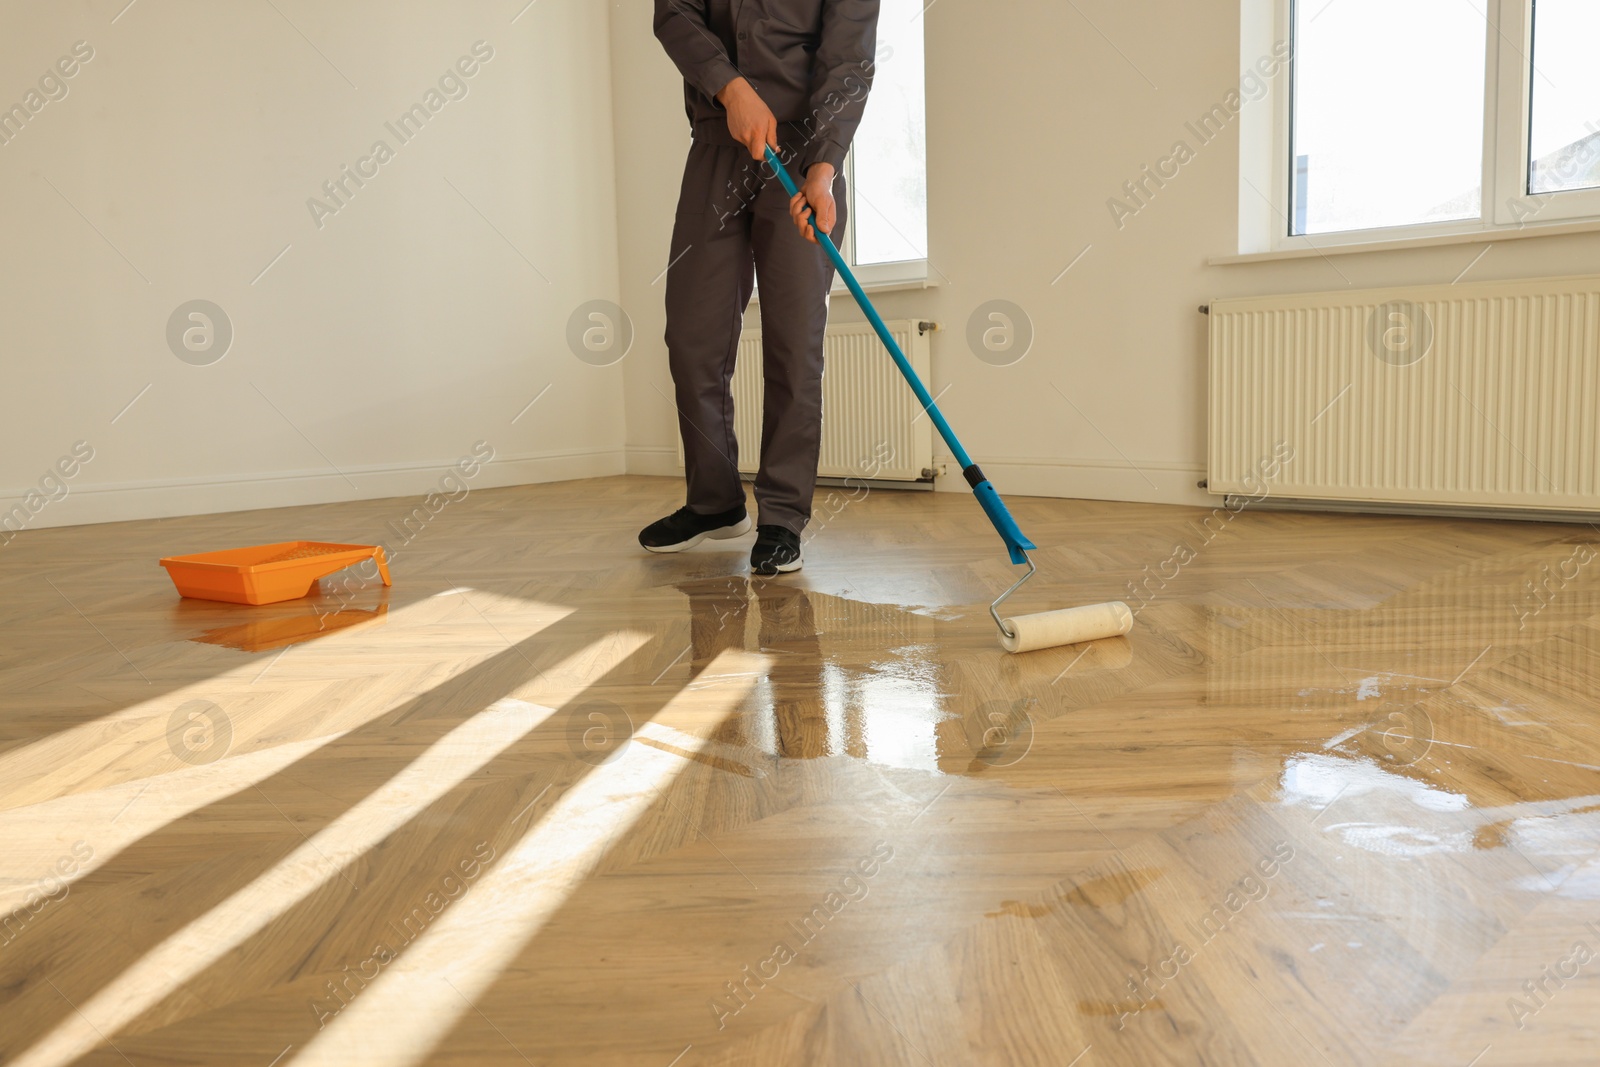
{"x":793,"y":74}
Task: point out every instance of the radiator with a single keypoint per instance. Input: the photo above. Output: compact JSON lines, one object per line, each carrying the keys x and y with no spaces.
{"x":1476,"y":396}
{"x":868,"y":411}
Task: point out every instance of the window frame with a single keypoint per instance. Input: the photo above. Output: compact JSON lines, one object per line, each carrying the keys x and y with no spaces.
{"x":879,"y":277}
{"x":1514,"y":103}
{"x":1267,"y":165}
{"x":898,"y":273}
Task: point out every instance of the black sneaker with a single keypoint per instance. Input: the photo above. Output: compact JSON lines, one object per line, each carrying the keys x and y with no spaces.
{"x":685,"y":529}
{"x":777,"y":550}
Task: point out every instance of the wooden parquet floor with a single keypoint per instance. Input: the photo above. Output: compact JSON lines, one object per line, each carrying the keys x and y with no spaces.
{"x":550,"y":800}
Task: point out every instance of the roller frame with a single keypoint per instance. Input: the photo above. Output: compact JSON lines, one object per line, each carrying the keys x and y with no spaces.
{"x":1016,"y":542}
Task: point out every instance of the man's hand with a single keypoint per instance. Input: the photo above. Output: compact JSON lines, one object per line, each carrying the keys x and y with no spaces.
{"x":750,"y":120}
{"x":815,"y":195}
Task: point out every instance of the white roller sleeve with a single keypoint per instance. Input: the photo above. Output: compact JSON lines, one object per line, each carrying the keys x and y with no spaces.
{"x":1069,"y":626}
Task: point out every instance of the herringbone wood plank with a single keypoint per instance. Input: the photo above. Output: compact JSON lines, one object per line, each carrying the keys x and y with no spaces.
{"x":553,"y":800}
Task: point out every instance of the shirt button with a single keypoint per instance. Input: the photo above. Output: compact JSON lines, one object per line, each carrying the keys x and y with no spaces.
{"x":742,"y":36}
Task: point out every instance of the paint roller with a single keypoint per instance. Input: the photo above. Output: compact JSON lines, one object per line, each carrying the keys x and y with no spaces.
{"x":1018,"y":633}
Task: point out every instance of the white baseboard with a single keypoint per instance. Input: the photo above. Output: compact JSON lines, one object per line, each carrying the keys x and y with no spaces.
{"x":1082,"y":479}
{"x":1087,"y":479}
{"x":661,"y":461}
{"x":85,"y":504}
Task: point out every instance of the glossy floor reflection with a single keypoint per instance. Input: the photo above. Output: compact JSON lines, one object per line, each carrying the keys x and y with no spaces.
{"x":551,"y":800}
{"x":271,"y":634}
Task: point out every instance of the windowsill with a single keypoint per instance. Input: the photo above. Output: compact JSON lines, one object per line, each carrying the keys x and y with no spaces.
{"x":888,"y":285}
{"x":1334,"y":247}
{"x":883,"y":285}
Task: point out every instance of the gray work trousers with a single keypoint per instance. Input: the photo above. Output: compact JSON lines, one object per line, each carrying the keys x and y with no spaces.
{"x":732,"y":227}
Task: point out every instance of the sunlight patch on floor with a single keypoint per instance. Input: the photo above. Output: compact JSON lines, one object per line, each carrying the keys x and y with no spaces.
{"x":414,"y":1004}
{"x":133,"y":743}
{"x":433,"y":774}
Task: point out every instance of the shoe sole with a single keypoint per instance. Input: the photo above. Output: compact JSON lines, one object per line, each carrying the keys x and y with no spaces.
{"x":720,"y":534}
{"x":783,"y":568}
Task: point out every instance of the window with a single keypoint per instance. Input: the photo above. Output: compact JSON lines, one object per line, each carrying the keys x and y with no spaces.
{"x":887,"y":168}
{"x":1387,"y":125}
{"x":1564,"y":137}
{"x":1405,"y":118}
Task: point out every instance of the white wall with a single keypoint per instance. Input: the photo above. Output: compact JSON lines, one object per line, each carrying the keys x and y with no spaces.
{"x":1037,"y":115}
{"x":382,"y":345}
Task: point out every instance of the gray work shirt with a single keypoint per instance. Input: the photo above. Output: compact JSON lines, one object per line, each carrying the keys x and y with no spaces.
{"x":810,"y":60}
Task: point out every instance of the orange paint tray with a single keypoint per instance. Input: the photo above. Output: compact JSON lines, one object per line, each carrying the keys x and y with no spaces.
{"x":266,"y":574}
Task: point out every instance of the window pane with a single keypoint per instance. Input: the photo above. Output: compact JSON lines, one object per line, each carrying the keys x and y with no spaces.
{"x":1564,"y":141}
{"x":1388,"y":113}
{"x":890,"y":151}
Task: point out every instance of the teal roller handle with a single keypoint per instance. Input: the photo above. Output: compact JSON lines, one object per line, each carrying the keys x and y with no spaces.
{"x":988,"y":498}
